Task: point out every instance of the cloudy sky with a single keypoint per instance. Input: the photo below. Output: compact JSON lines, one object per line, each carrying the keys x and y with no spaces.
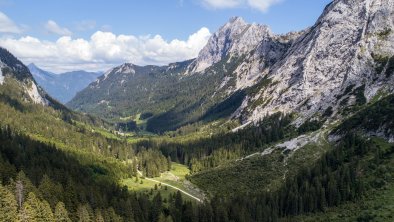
{"x":95,"y":35}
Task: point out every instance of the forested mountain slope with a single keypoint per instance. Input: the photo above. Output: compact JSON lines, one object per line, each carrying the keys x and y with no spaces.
{"x":58,"y":165}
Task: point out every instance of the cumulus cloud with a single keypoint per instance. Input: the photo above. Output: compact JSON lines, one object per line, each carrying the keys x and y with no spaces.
{"x":53,"y":28}
{"x":104,"y":50}
{"x":7,"y":25}
{"x":262,"y":5}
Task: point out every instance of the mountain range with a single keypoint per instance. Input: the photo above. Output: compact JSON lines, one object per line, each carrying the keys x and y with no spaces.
{"x":63,"y":86}
{"x":246,"y":72}
{"x":259,"y":127}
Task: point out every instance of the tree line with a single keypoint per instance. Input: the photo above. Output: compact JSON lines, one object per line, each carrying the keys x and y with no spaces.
{"x":223,"y":147}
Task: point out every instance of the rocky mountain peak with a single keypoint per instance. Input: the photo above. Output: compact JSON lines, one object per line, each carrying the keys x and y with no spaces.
{"x":126,"y":68}
{"x":236,"y":19}
{"x":236,"y":37}
{"x":32,"y":66}
{"x":347,"y":49}
{"x":233,"y":23}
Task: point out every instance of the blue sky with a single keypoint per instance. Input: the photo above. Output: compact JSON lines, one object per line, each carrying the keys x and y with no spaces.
{"x":34,"y":30}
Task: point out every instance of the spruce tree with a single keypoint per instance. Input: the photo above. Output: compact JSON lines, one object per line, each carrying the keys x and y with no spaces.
{"x":98,"y":217}
{"x":83,"y":214}
{"x":8,"y":205}
{"x":61,"y":214}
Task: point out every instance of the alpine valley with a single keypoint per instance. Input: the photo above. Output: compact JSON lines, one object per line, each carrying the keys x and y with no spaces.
{"x":259,"y":127}
{"x":64,"y":86}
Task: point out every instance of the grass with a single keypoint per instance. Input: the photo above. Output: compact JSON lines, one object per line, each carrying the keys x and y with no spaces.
{"x":175,"y":177}
{"x":179,"y":170}
{"x":100,"y":131}
{"x":148,"y":187}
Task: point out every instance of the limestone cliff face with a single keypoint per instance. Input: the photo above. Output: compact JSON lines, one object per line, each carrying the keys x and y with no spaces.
{"x":345,"y":59}
{"x":350,"y":46}
{"x":234,"y":38}
{"x":12,"y":68}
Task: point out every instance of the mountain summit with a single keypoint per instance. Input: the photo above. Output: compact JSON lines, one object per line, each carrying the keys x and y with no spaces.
{"x":246,"y":72}
{"x":345,"y":57}
{"x":236,"y":38}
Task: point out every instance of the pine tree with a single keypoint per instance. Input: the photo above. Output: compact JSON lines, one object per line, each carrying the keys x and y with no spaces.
{"x":83,"y":214}
{"x":178,"y":200}
{"x":156,"y":208}
{"x":162,"y":218}
{"x":168,"y":163}
{"x":49,"y":190}
{"x":112,"y":216}
{"x":25,"y":186}
{"x":8,"y":205}
{"x":98,"y":216}
{"x":61,"y":214}
{"x":45,"y":212}
{"x":30,"y":211}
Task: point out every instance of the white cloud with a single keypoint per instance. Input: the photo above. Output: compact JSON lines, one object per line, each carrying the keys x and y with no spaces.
{"x":222,"y":3}
{"x":104,"y":50}
{"x":53,"y":28}
{"x":261,"y":5}
{"x":7,"y":25}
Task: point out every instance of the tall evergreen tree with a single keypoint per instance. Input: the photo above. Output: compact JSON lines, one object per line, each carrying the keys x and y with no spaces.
{"x":8,"y":205}
{"x":61,"y":213}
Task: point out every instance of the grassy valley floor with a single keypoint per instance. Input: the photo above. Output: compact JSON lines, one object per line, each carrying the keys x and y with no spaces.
{"x":168,"y":183}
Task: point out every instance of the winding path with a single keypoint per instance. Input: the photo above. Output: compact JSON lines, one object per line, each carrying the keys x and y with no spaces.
{"x":173,"y":187}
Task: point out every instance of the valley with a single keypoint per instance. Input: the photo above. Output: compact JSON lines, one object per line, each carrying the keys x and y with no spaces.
{"x":258,"y":127}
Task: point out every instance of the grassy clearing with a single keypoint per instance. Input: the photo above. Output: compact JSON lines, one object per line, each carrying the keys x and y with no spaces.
{"x":175,"y":177}
{"x":148,"y":187}
{"x":179,"y":170}
{"x":101,"y":131}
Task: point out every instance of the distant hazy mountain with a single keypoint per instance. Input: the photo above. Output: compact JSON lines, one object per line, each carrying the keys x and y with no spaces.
{"x":64,"y":86}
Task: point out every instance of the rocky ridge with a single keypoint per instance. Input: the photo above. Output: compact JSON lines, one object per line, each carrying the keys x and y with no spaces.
{"x":341,"y":52}
{"x":344,"y":60}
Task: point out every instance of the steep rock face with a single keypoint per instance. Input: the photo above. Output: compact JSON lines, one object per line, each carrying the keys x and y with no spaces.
{"x":339,"y":52}
{"x":11,"y":67}
{"x":259,"y":61}
{"x":234,"y":38}
{"x":1,"y":73}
